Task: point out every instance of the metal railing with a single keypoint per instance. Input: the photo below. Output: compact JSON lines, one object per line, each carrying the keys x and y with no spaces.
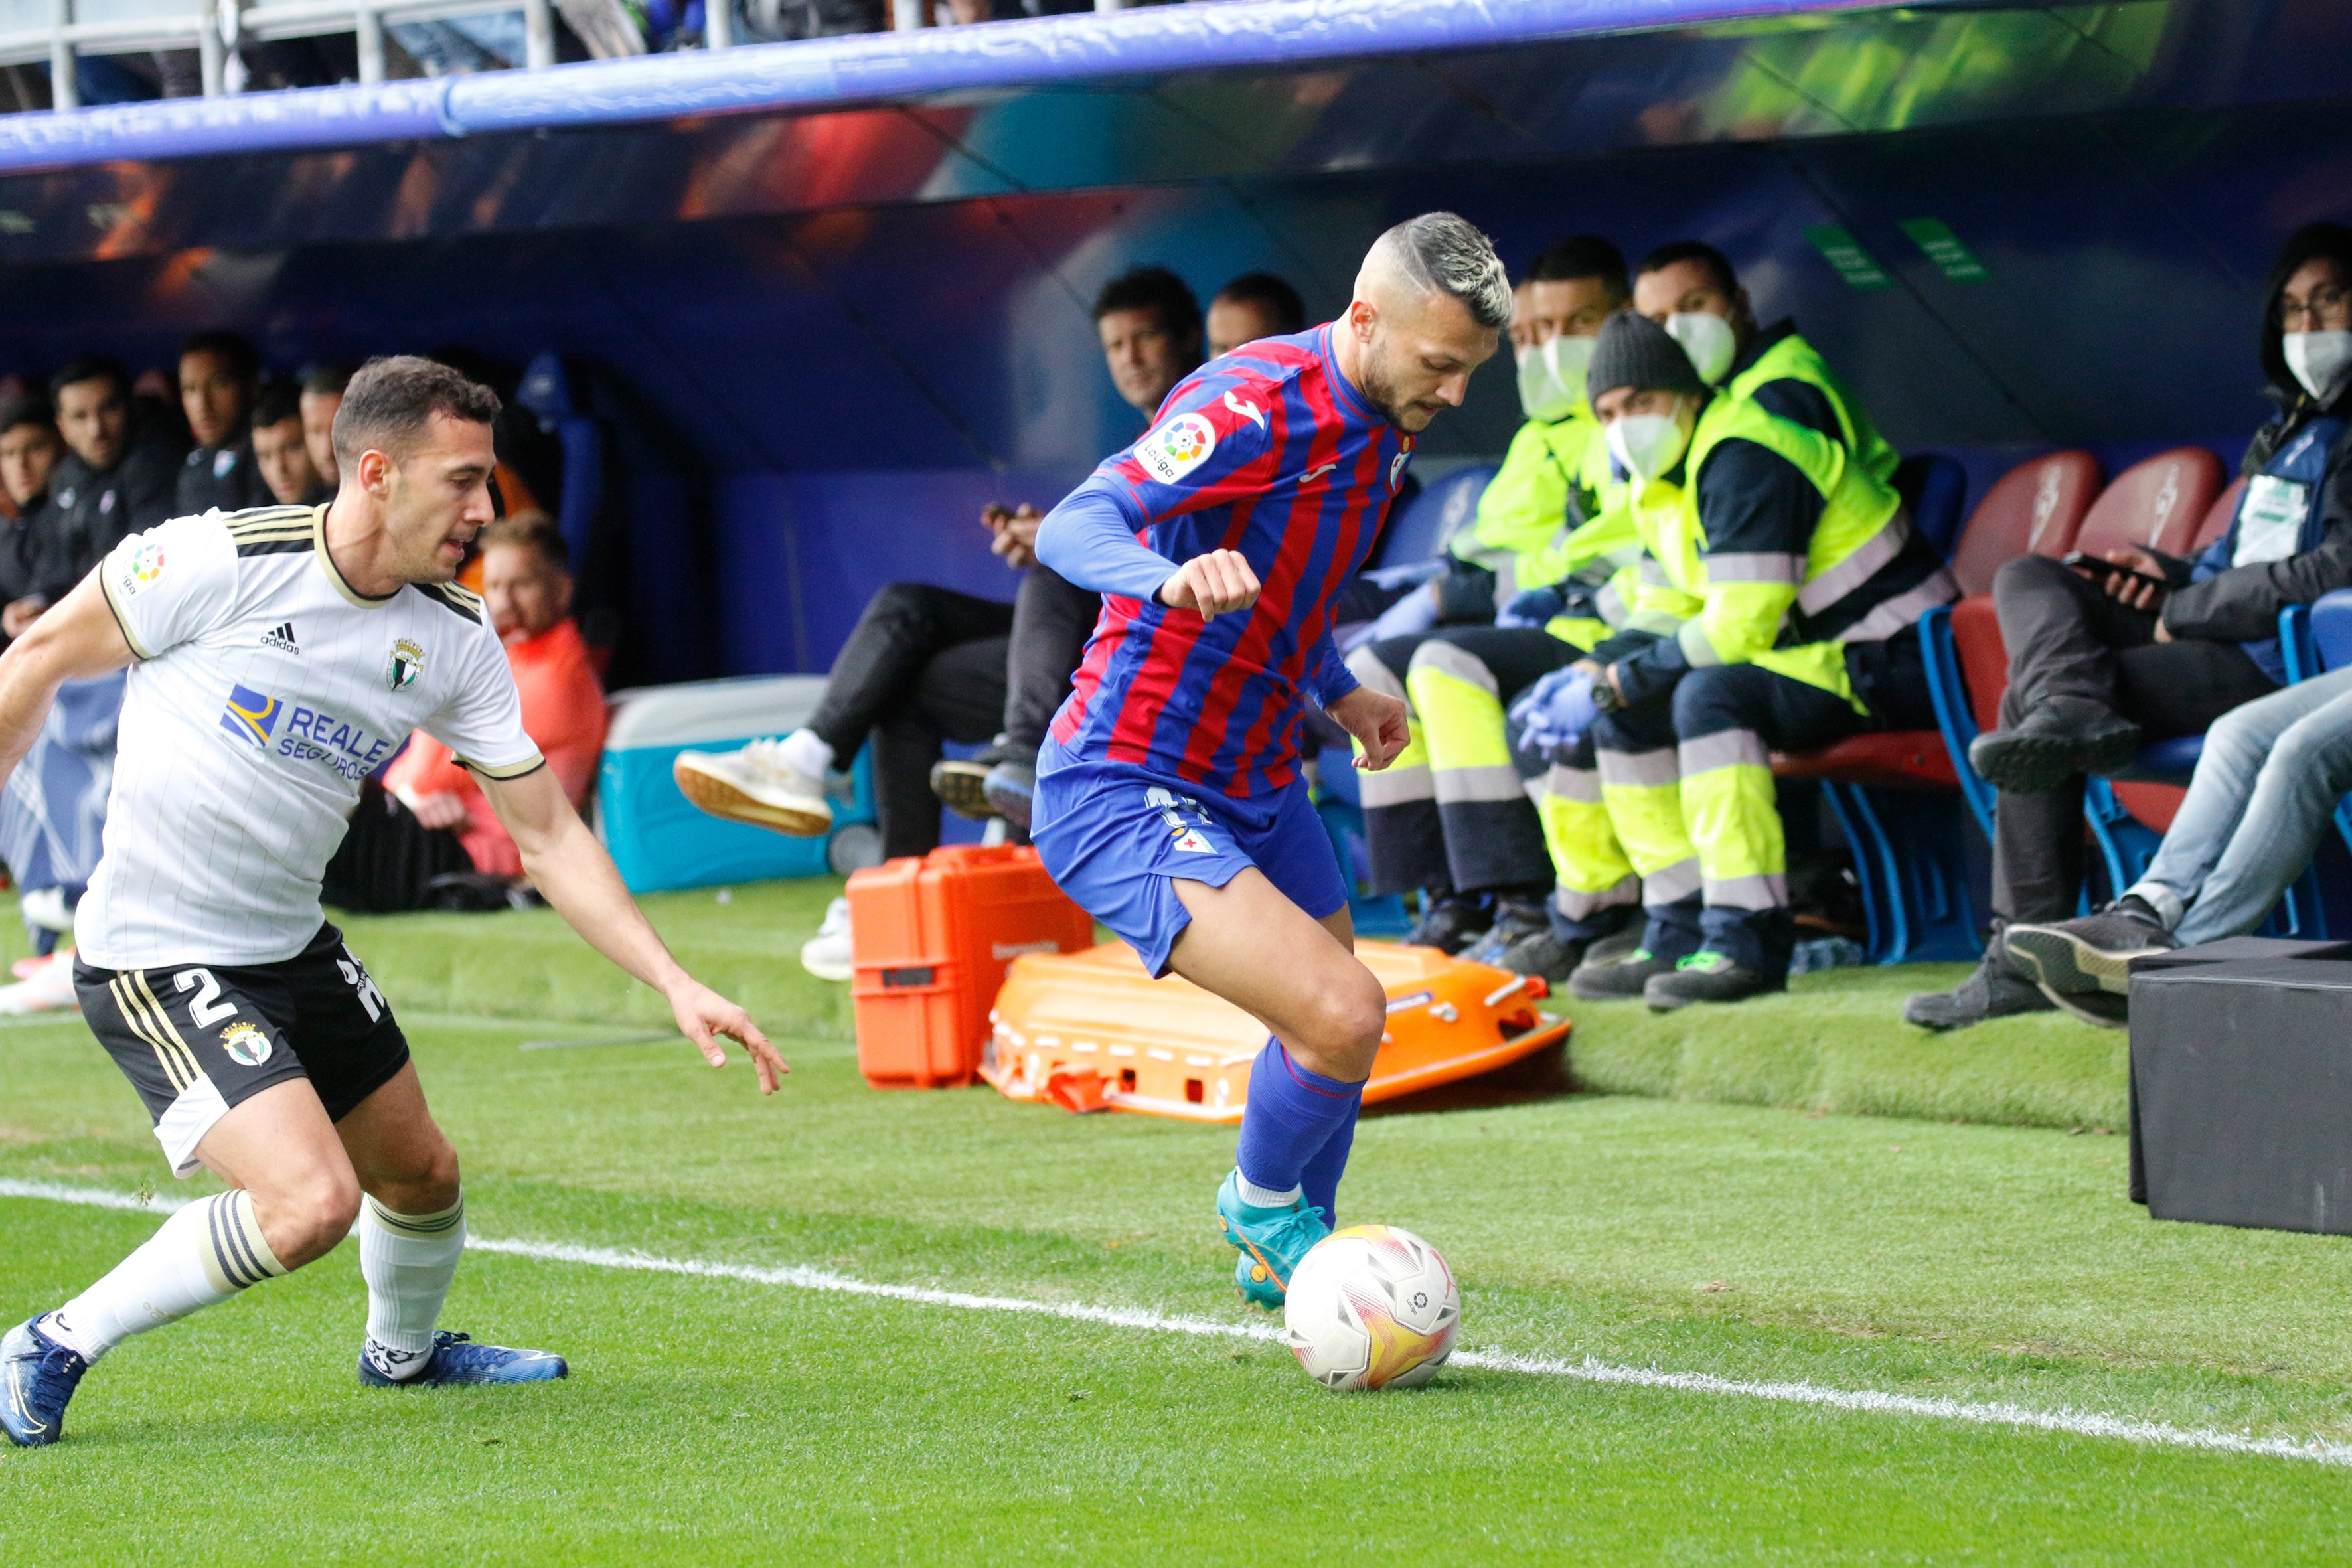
{"x":214,"y":28}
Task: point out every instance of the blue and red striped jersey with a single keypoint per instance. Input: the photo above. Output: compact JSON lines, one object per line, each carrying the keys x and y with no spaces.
{"x":1268,"y":451}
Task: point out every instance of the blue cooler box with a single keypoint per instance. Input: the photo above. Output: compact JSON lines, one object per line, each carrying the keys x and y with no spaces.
{"x":657,"y":838}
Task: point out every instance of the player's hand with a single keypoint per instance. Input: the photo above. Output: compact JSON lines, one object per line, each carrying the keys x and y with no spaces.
{"x":1212,"y":583}
{"x":1377,"y":720}
{"x":1014,"y":535}
{"x":703,"y":1016}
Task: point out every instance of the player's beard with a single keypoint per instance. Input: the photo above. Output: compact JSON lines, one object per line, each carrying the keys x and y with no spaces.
{"x":1381,"y":390}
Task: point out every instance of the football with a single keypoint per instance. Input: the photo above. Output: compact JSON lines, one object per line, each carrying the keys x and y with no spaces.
{"x":1371,"y":1307}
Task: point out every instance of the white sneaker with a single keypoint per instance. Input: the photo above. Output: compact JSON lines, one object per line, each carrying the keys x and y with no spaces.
{"x":50,"y":990}
{"x":827,"y":955}
{"x":44,"y":907}
{"x":755,"y":784}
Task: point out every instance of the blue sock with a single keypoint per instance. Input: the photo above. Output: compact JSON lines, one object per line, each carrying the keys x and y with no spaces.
{"x":1290,"y":1116}
{"x":1321,"y":1177}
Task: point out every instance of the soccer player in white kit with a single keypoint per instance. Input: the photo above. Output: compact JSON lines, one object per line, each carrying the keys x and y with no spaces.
{"x":276,"y":657}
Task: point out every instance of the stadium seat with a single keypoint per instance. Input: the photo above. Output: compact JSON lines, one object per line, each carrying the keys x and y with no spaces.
{"x":2317,"y":638}
{"x":1421,"y":528}
{"x":2160,"y":503}
{"x":1936,"y":489}
{"x":2034,"y":507}
{"x":546,"y":391}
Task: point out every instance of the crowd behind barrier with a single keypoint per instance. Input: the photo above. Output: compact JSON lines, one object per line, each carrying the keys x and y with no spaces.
{"x":491,"y":39}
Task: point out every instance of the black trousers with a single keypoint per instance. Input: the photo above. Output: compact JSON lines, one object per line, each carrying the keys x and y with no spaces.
{"x":925,"y":665}
{"x":2074,"y":652}
{"x":388,"y":859}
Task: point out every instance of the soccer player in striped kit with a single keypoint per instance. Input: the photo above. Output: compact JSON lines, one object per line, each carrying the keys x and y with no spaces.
{"x":1170,"y":802}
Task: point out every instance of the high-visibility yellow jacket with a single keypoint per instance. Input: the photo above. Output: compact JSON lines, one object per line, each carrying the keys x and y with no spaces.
{"x":1784,"y":547}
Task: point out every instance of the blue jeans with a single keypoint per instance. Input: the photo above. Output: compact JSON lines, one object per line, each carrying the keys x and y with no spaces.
{"x":2264,"y":791}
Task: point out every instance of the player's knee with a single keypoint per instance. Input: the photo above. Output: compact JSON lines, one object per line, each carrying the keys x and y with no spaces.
{"x":308,"y":1221}
{"x":1350,"y":1018}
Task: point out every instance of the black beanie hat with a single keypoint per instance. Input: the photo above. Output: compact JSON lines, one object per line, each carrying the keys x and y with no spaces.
{"x":1634,"y":350}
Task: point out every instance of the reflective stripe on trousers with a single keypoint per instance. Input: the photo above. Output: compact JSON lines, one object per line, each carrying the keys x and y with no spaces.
{"x":1729,"y":811}
{"x":1494,"y":838}
{"x":1587,"y":862}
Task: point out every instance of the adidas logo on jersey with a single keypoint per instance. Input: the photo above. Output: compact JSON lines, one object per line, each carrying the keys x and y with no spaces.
{"x":282,"y":638}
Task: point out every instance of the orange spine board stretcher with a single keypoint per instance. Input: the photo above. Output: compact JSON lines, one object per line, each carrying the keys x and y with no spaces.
{"x":1090,"y":1031}
{"x":931,"y":940}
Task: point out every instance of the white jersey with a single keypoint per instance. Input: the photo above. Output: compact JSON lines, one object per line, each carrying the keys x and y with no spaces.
{"x":265,"y":690}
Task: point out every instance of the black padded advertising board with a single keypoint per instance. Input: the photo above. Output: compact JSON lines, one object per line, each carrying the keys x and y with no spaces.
{"x":2242,"y":1084}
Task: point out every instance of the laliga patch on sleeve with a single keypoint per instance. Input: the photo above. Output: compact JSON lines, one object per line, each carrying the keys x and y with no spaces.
{"x":1176,"y":448}
{"x":144,"y":566}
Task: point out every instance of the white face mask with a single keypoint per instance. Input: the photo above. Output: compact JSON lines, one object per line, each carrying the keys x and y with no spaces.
{"x":1707,"y":339}
{"x":1647,"y":445}
{"x":1551,"y":376}
{"x":2319,"y":360}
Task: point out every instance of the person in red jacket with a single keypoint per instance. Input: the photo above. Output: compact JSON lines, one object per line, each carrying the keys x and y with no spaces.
{"x":526,"y":584}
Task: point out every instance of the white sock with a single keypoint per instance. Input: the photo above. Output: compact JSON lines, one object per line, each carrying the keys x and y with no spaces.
{"x":407,"y":1261}
{"x":803,"y":752}
{"x":205,"y":1253}
{"x":1264,"y":1197}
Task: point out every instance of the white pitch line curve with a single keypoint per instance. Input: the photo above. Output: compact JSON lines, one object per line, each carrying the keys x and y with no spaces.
{"x":2073,"y":1422}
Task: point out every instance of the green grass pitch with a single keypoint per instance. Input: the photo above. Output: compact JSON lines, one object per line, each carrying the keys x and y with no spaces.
{"x":717,"y":1420}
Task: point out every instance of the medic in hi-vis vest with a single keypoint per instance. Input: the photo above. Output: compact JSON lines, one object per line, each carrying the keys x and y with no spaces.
{"x":1764,"y":495}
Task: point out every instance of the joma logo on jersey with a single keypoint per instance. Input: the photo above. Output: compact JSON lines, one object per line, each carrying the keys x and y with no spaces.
{"x":251,"y":716}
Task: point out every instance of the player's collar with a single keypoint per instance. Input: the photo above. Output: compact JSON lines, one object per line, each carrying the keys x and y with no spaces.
{"x":334,"y":574}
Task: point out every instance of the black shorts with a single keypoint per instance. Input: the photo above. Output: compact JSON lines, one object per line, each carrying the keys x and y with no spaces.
{"x":196,"y":1039}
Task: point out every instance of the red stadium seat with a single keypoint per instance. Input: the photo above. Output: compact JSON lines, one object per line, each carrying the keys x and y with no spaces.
{"x":2159,"y":504}
{"x":2218,"y":516}
{"x":2036,"y":507}
{"x":1897,"y":758}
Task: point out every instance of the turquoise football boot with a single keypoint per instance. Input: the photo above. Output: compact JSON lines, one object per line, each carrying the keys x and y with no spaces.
{"x":1271,"y":1242}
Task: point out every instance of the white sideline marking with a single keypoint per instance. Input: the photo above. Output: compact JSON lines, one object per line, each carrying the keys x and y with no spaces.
{"x":2076,"y":1423}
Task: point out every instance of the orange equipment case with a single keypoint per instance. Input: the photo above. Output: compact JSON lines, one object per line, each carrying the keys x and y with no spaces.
{"x":930,"y":939}
{"x":1090,"y":1030}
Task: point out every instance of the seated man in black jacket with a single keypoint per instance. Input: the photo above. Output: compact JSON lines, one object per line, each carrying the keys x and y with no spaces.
{"x":2101,"y":664}
{"x":218,"y":374}
{"x":122,"y":457}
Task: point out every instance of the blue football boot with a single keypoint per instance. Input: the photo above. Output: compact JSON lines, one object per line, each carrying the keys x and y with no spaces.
{"x":1271,"y":1242}
{"x":458,"y":1358}
{"x":37,"y":1375}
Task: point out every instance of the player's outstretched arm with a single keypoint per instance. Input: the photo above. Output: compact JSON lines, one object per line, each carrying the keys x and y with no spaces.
{"x":78,"y":640}
{"x":572,"y":871}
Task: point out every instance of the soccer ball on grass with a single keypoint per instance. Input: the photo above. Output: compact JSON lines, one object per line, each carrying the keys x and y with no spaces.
{"x":1371,"y":1307}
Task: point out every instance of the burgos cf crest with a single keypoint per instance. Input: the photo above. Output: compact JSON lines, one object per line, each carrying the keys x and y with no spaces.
{"x":1176,"y":448}
{"x":407,"y":664}
{"x":250,"y":716}
{"x":245,"y":1044}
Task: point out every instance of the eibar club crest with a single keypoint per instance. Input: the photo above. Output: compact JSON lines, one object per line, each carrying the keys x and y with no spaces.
{"x":407,"y":664}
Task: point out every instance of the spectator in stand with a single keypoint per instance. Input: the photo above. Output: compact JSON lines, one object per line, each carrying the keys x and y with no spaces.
{"x":322,"y":393}
{"x":925,"y":664}
{"x":29,"y":454}
{"x":1252,"y":306}
{"x":2101,"y":663}
{"x":428,"y":838}
{"x":121,"y":463}
{"x":217,"y":375}
{"x":280,"y":453}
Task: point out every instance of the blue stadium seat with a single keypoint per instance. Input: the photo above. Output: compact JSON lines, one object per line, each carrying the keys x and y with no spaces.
{"x":1444,"y":507}
{"x":2317,"y":638}
{"x":1936,"y":489}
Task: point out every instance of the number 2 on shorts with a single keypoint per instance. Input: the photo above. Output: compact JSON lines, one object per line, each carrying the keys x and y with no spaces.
{"x":207,"y":1009}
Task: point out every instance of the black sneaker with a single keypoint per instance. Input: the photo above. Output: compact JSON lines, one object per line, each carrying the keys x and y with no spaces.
{"x":962,"y":787}
{"x":2091,"y":955}
{"x":1995,"y":991}
{"x":1609,"y":949}
{"x":1515,"y":921}
{"x":1449,"y":922}
{"x":2046,"y":750}
{"x":1545,"y":956}
{"x":1706,"y":976}
{"x":1621,"y":979}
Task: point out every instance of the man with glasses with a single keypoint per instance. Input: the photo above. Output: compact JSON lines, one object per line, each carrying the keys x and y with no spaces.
{"x":2102,"y":663}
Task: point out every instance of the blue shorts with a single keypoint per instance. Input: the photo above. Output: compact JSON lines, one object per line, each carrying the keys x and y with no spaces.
{"x":1113,"y":835}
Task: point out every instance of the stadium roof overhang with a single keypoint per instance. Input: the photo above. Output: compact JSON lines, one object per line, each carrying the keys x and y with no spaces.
{"x":1169,"y":95}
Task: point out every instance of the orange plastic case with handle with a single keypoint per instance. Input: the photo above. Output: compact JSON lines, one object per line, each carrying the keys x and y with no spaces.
{"x":1090,"y":1031}
{"x":931,"y":940}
